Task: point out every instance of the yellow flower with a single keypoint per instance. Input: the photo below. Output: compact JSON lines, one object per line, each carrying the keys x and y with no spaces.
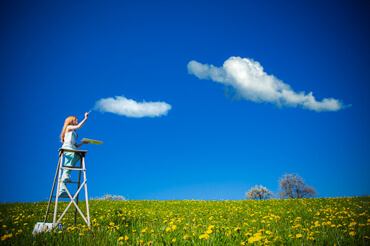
{"x":185,"y":237}
{"x":242,"y":243}
{"x":211,"y":227}
{"x":352,"y":233}
{"x":120,"y":238}
{"x":6,"y":236}
{"x":298,"y":236}
{"x":253,"y":239}
{"x":352,"y":224}
{"x":205,"y":236}
{"x":168,"y":229}
{"x":209,"y":231}
{"x":126,"y":238}
{"x":174,"y":240}
{"x":237,"y":229}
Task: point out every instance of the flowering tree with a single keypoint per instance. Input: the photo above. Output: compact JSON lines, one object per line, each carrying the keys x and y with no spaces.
{"x":259,"y":193}
{"x":293,"y":186}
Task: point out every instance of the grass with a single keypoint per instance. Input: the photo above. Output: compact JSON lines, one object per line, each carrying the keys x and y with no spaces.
{"x":330,"y":221}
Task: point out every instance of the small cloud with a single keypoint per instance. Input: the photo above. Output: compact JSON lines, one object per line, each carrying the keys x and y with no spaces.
{"x":247,"y":78}
{"x":130,"y":108}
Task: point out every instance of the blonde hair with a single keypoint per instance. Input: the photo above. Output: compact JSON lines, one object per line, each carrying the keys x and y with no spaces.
{"x":67,"y":122}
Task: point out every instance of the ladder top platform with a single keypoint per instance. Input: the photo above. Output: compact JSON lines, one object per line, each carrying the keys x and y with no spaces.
{"x":72,"y":150}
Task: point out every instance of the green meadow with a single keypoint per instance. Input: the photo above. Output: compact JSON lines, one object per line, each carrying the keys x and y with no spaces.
{"x":329,"y":221}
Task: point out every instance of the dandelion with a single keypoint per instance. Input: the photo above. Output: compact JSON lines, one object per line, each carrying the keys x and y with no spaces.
{"x":352,"y":233}
{"x":6,"y":236}
{"x":185,"y":237}
{"x":211,"y":227}
{"x":168,"y":229}
{"x":174,"y":240}
{"x":352,"y":224}
{"x":253,"y":239}
{"x":298,"y":235}
{"x":204,"y":236}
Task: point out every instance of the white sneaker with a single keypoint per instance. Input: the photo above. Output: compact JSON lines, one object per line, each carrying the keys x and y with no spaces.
{"x":63,"y":194}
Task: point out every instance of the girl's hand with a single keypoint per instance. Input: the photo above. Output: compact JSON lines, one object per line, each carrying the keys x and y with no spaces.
{"x":85,"y":142}
{"x":87,"y":115}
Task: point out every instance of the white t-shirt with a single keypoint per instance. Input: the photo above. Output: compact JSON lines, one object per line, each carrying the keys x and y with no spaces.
{"x":70,"y":139}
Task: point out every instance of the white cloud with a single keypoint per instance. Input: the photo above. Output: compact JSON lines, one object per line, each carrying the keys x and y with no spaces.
{"x":252,"y":83}
{"x":130,"y":108}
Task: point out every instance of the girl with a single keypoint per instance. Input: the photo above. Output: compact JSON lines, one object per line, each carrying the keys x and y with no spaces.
{"x":69,"y":139}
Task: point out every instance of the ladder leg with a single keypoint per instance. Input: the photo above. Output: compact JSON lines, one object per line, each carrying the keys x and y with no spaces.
{"x":78,"y":186}
{"x":52,"y":189}
{"x":57,"y":193}
{"x":86,"y":195}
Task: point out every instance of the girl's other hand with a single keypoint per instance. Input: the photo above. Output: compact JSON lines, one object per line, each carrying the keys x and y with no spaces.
{"x":85,"y":142}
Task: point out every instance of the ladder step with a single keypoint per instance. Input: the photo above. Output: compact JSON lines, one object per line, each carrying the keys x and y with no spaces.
{"x":73,"y":168}
{"x":65,"y":196}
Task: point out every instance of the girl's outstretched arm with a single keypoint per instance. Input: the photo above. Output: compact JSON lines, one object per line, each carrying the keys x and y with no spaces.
{"x":71,"y":127}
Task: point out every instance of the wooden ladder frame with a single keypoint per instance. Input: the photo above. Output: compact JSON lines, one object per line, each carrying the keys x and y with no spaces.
{"x":57,"y":179}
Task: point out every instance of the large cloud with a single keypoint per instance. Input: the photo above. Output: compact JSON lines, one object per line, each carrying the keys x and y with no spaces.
{"x":252,"y":83}
{"x":130,"y":108}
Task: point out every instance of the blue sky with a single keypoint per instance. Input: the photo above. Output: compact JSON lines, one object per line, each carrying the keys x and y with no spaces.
{"x":60,"y":58}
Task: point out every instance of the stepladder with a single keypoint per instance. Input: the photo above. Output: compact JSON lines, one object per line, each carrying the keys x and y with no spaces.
{"x":73,"y":199}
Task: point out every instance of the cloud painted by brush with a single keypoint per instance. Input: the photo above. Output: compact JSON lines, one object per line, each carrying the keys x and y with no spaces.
{"x":251,"y":83}
{"x":130,"y":108}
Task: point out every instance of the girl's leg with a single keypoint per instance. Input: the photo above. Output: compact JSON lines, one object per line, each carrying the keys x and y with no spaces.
{"x":70,"y":161}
